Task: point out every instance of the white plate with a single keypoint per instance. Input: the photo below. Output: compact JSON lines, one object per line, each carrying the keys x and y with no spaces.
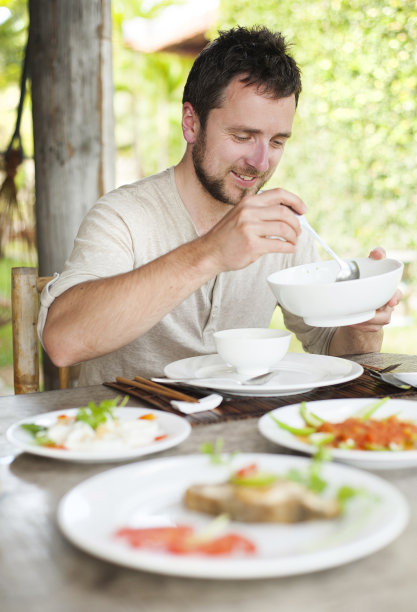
{"x":175,"y":427}
{"x":339,"y":410}
{"x":149,"y":493}
{"x":297,"y":373}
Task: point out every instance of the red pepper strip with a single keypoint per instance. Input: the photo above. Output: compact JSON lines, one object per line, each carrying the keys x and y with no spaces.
{"x":147,"y":417}
{"x":248,"y":470}
{"x":180,"y":541}
{"x":53,"y":445}
{"x":154,"y":537}
{"x":229,"y":544}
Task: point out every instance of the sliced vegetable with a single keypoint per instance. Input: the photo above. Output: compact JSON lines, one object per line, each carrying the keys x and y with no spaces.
{"x":319,"y":438}
{"x":183,"y":540}
{"x":309,"y":417}
{"x":298,"y":431}
{"x":366,"y":412}
{"x":260,"y":479}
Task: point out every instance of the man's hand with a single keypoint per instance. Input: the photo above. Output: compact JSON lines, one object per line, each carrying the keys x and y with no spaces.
{"x":263,"y":223}
{"x":383,"y":315}
{"x":365,"y":337}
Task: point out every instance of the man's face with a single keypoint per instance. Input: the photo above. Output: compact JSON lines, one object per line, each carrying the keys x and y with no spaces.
{"x":242,"y":143}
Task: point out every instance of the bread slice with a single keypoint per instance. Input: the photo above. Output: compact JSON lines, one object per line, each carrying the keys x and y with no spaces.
{"x":282,"y":502}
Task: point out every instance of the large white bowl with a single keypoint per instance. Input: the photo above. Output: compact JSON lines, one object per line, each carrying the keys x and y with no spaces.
{"x":252,"y":351}
{"x":311,"y":291}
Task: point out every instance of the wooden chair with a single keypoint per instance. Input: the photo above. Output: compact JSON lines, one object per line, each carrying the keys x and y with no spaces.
{"x":26,"y":287}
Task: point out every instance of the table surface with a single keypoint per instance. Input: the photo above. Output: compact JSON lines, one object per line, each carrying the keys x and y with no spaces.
{"x":41,"y":571}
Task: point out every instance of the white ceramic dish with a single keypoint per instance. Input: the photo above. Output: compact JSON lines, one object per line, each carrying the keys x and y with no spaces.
{"x":252,"y":351}
{"x":310,"y":291}
{"x":296,"y":373}
{"x":149,"y":493}
{"x":176,"y":429}
{"x":339,"y":410}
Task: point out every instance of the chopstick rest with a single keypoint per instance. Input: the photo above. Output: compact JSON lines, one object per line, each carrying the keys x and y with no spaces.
{"x":205,"y":403}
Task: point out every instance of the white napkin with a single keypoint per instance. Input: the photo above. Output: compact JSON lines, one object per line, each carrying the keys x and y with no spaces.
{"x":205,"y":403}
{"x":410,"y":378}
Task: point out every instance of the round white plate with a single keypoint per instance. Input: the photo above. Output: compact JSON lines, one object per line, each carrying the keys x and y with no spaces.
{"x":296,"y":373}
{"x":175,"y":428}
{"x":149,"y":493}
{"x":339,"y":410}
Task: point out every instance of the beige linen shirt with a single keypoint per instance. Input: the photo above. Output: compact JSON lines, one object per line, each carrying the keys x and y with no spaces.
{"x":137,"y":223}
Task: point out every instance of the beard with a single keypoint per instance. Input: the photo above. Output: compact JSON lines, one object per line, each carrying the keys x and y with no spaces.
{"x":215,"y":185}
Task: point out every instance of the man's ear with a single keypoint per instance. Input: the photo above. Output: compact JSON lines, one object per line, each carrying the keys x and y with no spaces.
{"x":190,"y":123}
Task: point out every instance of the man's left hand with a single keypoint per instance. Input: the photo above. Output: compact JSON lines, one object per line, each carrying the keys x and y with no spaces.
{"x":365,"y":337}
{"x":383,"y":315}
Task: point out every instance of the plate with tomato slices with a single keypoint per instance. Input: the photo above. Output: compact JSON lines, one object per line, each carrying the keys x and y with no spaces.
{"x":377,"y":434}
{"x":137,"y":516}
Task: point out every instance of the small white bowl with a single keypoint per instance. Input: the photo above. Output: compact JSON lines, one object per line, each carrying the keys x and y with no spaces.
{"x":252,"y":351}
{"x":311,"y":291}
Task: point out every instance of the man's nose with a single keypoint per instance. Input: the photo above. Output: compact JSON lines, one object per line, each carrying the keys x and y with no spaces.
{"x":259,"y":157}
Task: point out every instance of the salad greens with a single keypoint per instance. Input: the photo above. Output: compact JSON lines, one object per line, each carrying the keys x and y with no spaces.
{"x":214,"y":451}
{"x":93,"y":414}
{"x":312,"y":479}
{"x":39,"y":432}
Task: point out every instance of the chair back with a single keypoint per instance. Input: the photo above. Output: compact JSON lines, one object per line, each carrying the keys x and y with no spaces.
{"x":26,"y":287}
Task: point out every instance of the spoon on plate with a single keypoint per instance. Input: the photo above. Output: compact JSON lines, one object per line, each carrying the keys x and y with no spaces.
{"x":349,"y":269}
{"x":260,"y":379}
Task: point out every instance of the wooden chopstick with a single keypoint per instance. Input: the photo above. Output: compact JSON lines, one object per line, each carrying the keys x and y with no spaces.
{"x":153,"y":387}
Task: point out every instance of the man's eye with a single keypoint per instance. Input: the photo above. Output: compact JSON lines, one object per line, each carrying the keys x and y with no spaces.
{"x":277,"y":143}
{"x":241,"y":138}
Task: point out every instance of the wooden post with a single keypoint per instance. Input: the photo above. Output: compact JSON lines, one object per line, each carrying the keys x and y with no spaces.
{"x":24,"y":320}
{"x":70,"y":61}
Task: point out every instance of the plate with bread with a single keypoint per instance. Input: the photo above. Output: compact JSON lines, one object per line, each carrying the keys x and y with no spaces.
{"x":243,"y":516}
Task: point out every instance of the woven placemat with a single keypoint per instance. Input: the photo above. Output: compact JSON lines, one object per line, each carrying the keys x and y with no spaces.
{"x":236,"y":407}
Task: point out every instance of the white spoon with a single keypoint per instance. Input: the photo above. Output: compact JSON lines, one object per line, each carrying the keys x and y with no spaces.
{"x":349,"y":269}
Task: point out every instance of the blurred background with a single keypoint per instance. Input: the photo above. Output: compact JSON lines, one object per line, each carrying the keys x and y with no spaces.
{"x":351,"y":158}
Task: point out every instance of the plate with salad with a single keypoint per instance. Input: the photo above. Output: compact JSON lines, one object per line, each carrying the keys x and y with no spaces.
{"x":368,"y":433}
{"x":107,"y":431}
{"x":162,"y":515}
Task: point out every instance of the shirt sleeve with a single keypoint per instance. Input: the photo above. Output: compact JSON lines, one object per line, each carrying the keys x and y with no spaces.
{"x":103,"y":247}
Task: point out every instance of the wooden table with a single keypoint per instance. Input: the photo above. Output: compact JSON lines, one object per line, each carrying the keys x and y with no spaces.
{"x":42,"y":572}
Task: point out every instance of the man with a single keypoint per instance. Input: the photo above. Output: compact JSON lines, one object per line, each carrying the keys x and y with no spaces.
{"x":161,"y":264}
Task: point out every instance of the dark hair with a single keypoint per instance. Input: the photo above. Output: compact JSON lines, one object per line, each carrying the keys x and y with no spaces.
{"x":257,"y":54}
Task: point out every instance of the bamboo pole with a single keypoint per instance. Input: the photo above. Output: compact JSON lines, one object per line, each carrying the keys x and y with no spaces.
{"x":24,"y":320}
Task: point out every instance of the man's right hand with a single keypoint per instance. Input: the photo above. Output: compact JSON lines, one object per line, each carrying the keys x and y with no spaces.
{"x":247,"y":231}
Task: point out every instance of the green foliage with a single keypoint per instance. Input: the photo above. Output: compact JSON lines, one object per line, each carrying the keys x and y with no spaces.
{"x":13,"y":37}
{"x":353,"y":151}
{"x":148,"y":94}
